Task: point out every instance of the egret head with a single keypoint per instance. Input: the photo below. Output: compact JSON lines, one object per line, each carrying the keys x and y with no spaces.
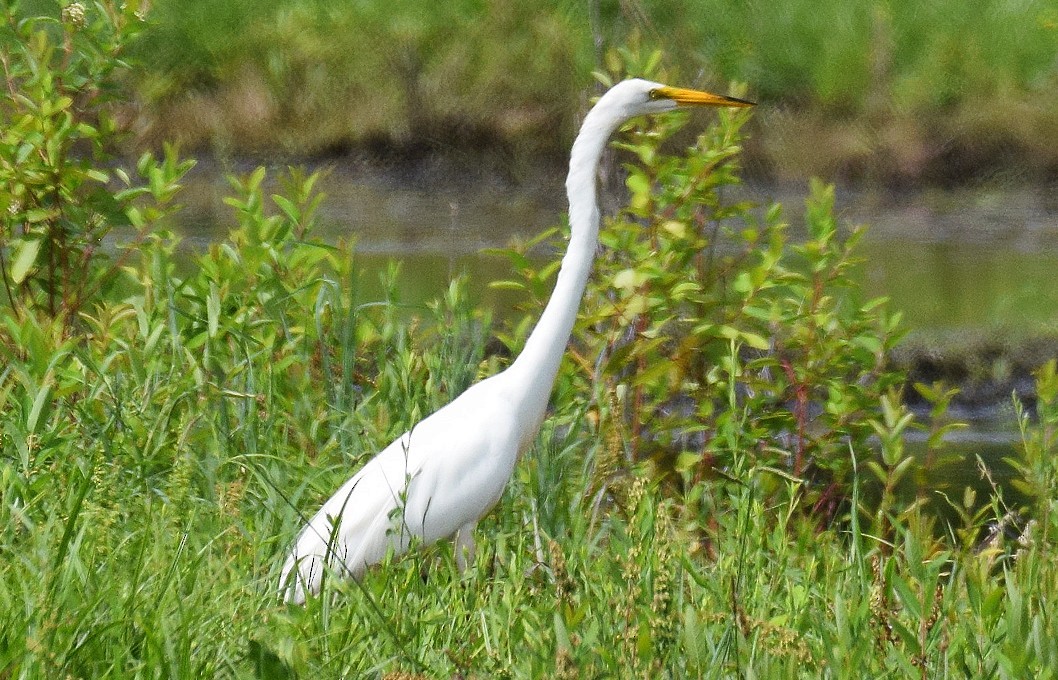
{"x":636,"y":97}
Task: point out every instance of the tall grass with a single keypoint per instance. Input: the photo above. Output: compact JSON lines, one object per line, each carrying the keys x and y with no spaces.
{"x":143,"y":533}
{"x":162,"y":444}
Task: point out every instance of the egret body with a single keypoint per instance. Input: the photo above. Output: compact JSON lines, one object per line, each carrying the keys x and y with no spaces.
{"x":439,"y":478}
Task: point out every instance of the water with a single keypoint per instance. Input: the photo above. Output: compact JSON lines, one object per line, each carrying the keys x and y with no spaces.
{"x":952,"y":261}
{"x":966,"y":259}
{"x":963,"y":259}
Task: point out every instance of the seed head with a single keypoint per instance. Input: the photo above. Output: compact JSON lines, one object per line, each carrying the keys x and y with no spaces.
{"x":74,"y":15}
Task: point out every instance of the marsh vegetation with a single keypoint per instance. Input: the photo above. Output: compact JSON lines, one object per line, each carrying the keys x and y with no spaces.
{"x":716,"y":492}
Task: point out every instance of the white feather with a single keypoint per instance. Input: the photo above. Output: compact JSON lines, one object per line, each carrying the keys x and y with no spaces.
{"x":441,"y":477}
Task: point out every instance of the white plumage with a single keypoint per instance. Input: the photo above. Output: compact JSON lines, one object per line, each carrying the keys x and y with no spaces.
{"x":439,"y":478}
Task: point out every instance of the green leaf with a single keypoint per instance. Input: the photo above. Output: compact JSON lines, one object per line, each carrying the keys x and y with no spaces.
{"x":61,"y":104}
{"x":561,"y":634}
{"x":869,"y":342}
{"x":506,"y":285}
{"x":676,"y":228}
{"x":135,"y":216}
{"x":878,"y":470}
{"x":253,"y":182}
{"x":267,"y":663}
{"x":908,"y":597}
{"x":97,"y":175}
{"x":288,"y":207}
{"x":755,"y":341}
{"x":40,"y":400}
{"x":636,"y":304}
{"x":629,"y":279}
{"x":680,"y":290}
{"x":992,"y":603}
{"x":743,"y":283}
{"x":24,"y":150}
{"x":639,"y":188}
{"x":728,"y":332}
{"x":212,"y":311}
{"x":40,"y":215}
{"x":25,"y":257}
{"x":901,"y":469}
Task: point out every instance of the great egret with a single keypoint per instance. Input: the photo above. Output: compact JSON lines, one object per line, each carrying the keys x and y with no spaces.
{"x":439,"y":478}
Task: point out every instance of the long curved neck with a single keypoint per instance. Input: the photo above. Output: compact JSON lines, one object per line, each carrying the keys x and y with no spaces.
{"x":535,"y":369}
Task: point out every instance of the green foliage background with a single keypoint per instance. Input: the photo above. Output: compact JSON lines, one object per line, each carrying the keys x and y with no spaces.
{"x":165,"y":429}
{"x":883,"y":89}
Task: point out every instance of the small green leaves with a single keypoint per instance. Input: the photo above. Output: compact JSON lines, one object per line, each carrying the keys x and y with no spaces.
{"x":740,"y":336}
{"x":1047,"y":383}
{"x":25,"y":257}
{"x":56,"y":143}
{"x":629,"y":280}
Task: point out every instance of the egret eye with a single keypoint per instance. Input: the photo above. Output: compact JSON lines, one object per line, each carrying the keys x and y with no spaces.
{"x":655,"y":94}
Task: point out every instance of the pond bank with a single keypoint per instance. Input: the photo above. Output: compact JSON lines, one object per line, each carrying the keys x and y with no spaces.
{"x":988,"y":369}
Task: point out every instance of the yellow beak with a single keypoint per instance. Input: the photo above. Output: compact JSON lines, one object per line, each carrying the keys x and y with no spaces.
{"x":685,"y":97}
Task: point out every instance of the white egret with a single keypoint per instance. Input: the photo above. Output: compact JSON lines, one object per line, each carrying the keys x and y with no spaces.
{"x":439,"y":478}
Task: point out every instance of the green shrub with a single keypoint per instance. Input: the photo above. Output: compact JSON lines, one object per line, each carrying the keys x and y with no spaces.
{"x":702,"y":311}
{"x":61,"y":194}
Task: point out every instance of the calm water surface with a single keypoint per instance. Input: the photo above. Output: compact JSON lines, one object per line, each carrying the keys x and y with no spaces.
{"x":951,"y":260}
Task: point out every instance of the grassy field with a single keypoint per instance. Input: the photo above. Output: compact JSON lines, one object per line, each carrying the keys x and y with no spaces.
{"x":156,"y":469}
{"x":157,"y":466}
{"x":867,"y":89}
{"x":716,"y":492}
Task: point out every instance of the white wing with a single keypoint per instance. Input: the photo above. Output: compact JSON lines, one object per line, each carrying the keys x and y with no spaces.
{"x":446,"y":472}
